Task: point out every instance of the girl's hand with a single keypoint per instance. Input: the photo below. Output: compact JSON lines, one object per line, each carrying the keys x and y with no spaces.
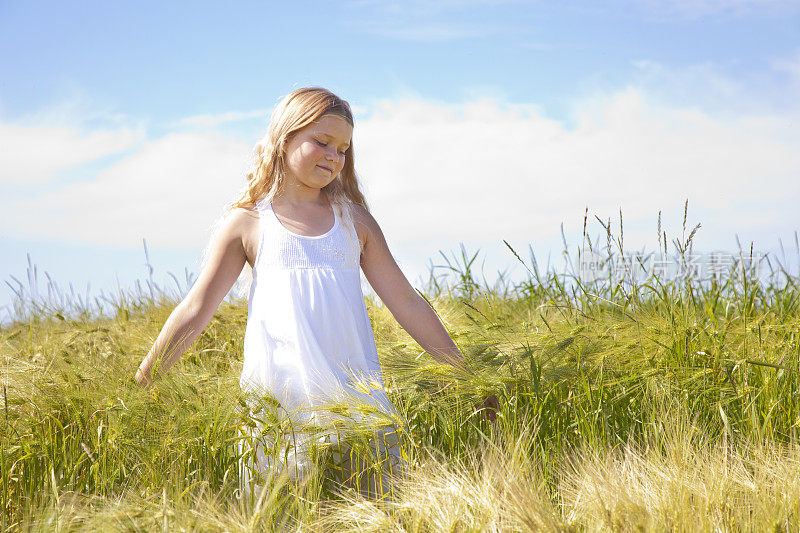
{"x":489,"y":407}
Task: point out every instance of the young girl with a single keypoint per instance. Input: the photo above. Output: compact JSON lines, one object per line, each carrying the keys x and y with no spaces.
{"x":304,"y":228}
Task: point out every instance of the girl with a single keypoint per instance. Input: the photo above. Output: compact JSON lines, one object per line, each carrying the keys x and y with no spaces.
{"x":304,"y":228}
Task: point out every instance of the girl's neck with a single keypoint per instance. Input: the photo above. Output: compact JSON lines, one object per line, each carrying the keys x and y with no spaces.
{"x":302,"y":196}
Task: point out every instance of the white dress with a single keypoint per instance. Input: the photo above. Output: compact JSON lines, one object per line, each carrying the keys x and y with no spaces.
{"x":308,"y":338}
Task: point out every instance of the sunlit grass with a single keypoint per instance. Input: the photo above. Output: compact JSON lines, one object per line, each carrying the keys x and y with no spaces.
{"x":645,"y":404}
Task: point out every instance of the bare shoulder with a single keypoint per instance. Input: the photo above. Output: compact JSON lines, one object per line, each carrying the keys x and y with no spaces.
{"x":380,"y":267}
{"x":242,"y":216}
{"x":226,"y":255}
{"x":242,"y":223}
{"x":366,"y":225}
{"x":237,"y":221}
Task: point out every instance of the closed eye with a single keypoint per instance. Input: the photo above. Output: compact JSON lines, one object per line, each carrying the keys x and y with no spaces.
{"x":342,"y":152}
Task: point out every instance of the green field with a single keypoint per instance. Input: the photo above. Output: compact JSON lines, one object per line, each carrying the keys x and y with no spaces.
{"x":659,"y":404}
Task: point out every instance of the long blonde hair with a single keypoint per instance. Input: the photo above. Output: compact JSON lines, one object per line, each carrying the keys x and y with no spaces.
{"x":295,"y":111}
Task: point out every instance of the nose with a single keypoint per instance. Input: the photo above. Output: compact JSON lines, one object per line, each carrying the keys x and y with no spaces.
{"x":332,"y":155}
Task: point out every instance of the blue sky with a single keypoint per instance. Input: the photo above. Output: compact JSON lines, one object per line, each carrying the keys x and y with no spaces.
{"x":485,"y":120}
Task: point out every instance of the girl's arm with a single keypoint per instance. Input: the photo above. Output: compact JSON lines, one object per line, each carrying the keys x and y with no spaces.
{"x":408,"y":307}
{"x":191,"y":316}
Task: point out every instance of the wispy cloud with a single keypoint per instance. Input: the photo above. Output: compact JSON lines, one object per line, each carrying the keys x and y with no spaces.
{"x":422,"y":21}
{"x":39,"y":146}
{"x":35,"y":154}
{"x":712,"y":87}
{"x":420,"y":32}
{"x":695,"y":9}
{"x":790,"y":66}
{"x":211,"y":121}
{"x":170,"y":191}
{"x":481,"y":171}
{"x":424,"y":8}
{"x":487,"y":171}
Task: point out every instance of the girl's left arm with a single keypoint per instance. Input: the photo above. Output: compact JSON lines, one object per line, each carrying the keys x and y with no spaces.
{"x":408,"y":307}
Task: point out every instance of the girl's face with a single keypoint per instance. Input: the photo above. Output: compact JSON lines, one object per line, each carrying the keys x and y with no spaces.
{"x":315,"y":155}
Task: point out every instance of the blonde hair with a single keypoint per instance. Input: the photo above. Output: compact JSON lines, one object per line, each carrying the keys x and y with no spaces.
{"x":294,"y":112}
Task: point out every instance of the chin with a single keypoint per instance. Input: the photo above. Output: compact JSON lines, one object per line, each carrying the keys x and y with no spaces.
{"x":318,"y":185}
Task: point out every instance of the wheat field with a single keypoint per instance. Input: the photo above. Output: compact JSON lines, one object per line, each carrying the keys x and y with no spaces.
{"x":646,"y":404}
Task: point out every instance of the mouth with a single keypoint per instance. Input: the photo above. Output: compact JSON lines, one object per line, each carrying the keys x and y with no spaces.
{"x":325,"y":168}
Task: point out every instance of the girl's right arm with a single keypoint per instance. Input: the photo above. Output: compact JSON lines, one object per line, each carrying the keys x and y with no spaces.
{"x":226,"y":259}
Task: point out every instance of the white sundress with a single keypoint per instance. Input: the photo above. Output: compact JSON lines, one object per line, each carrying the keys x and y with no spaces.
{"x":308,"y":338}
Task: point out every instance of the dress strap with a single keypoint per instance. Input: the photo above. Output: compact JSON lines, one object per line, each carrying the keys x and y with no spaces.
{"x":350,"y":228}
{"x":348,"y":243}
{"x":262,"y":205}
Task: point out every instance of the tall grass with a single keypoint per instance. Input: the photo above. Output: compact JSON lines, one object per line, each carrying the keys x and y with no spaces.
{"x":635,"y":402}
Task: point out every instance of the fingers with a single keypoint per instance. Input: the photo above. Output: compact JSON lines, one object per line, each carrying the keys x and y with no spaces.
{"x":489,"y":408}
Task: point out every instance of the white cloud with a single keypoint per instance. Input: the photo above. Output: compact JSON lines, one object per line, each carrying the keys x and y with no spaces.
{"x":34,"y":154}
{"x":708,"y":87}
{"x":169,"y":192}
{"x":423,"y":8}
{"x":694,"y":9}
{"x":39,"y":146}
{"x":210,"y":121}
{"x":791,"y":66}
{"x":428,"y":32}
{"x":437,"y":174}
{"x":486,"y":172}
{"x":423,"y":21}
